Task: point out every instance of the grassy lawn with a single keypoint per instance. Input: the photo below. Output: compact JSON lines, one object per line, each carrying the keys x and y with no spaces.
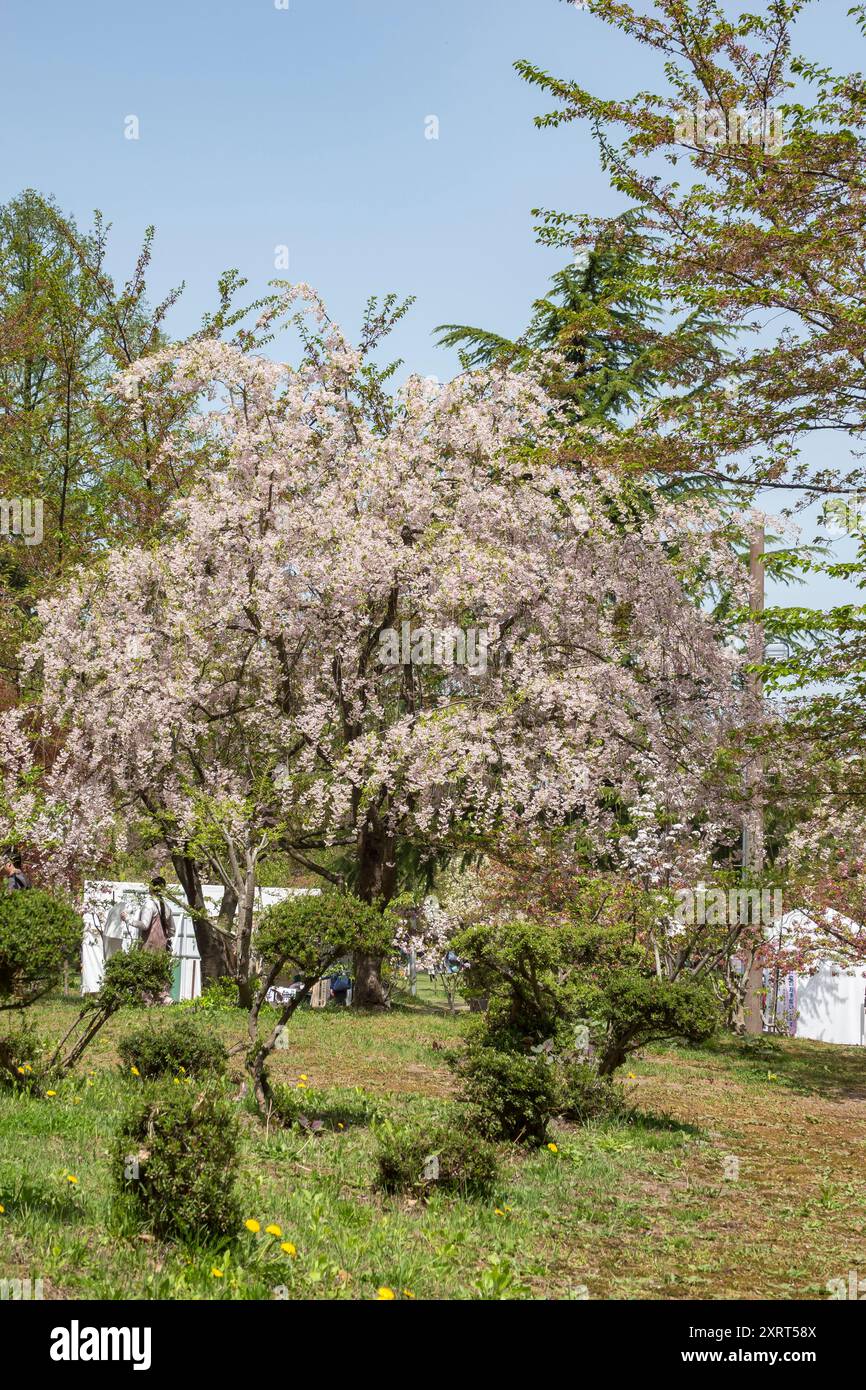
{"x":638,"y":1209}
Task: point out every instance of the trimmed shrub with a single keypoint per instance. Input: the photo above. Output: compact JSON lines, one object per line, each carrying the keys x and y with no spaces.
{"x":25,"y":1061}
{"x":310,"y":932}
{"x":515,"y":1096}
{"x":38,"y":934}
{"x":175,"y":1162}
{"x":132,"y":979}
{"x":175,"y":1044}
{"x":544,"y":977}
{"x":418,"y":1157}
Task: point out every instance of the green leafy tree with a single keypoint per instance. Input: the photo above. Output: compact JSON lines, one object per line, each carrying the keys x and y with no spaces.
{"x":600,"y":330}
{"x":305,"y":935}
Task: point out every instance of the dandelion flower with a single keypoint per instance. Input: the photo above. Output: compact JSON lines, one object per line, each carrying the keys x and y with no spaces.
{"x":553,"y":1148}
{"x":2,"y":1209}
{"x":631,"y":1076}
{"x":253,"y":1226}
{"x":51,"y":1093}
{"x":497,"y":1211}
{"x":70,"y":1177}
{"x":217,"y":1273}
{"x":287,"y":1248}
{"x":20,"y":1071}
{"x":407,"y":1293}
{"x":273,"y":1230}
{"x":135,"y":1071}
{"x":384,"y":1295}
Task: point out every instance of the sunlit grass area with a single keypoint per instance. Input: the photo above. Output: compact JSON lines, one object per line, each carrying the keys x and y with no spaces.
{"x":738,"y":1173}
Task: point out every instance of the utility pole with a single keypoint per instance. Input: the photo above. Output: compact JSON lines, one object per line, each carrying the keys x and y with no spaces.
{"x":753,"y":817}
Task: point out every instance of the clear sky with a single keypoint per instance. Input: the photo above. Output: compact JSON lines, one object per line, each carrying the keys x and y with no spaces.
{"x":304,"y":127}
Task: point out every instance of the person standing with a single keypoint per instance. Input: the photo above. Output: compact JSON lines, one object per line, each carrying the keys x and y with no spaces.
{"x":16,"y":878}
{"x":156,"y":923}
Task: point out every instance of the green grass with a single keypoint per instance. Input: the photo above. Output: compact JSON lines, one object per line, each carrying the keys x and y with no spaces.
{"x":638,"y":1209}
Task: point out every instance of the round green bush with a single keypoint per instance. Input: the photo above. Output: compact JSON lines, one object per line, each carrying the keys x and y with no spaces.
{"x":173,"y":1044}
{"x":417,"y":1157}
{"x":132,"y":979}
{"x":38,"y":934}
{"x":515,"y":1096}
{"x":175,"y":1162}
{"x":25,"y":1061}
{"x":310,"y":931}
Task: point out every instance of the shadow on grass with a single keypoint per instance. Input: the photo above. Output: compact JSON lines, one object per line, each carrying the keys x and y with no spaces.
{"x":420,"y":1006}
{"x":29,"y":1198}
{"x":319,"y":1110}
{"x":661,"y":1123}
{"x":810,"y":1068}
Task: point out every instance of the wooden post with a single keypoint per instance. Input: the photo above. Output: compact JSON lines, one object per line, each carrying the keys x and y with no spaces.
{"x":753,"y":818}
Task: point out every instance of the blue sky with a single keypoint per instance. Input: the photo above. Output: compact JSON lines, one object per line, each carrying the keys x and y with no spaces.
{"x":305,"y":127}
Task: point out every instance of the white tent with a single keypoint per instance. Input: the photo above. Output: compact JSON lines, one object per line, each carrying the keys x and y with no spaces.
{"x":105,"y":932}
{"x":826,"y":1005}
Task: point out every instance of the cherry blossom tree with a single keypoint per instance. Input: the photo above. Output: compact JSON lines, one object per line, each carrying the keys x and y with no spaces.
{"x":234,"y":691}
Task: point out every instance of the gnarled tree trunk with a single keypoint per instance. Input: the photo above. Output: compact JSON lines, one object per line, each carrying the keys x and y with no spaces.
{"x":214,"y":947}
{"x":377,"y":880}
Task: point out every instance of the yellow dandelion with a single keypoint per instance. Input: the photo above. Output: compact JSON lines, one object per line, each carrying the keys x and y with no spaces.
{"x":135,"y":1071}
{"x":384,"y":1295}
{"x":771,"y":1076}
{"x":302,"y":1086}
{"x":497,"y":1211}
{"x":553,"y":1148}
{"x":253,"y":1225}
{"x":20,"y":1071}
{"x":2,"y":1209}
{"x":217,"y":1273}
{"x":71,"y":1178}
{"x":51,"y":1093}
{"x":340,"y":1125}
{"x":273,"y":1230}
{"x":631,"y":1076}
{"x":407,"y":1293}
{"x":287,"y":1248}
{"x":177,"y":1081}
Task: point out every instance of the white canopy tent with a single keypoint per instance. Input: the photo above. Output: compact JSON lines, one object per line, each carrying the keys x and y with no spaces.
{"x":105,"y":931}
{"x":826,"y":1005}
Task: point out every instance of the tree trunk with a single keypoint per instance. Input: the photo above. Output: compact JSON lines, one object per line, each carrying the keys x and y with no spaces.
{"x":245,"y":940}
{"x":213,"y":947}
{"x":377,"y":879}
